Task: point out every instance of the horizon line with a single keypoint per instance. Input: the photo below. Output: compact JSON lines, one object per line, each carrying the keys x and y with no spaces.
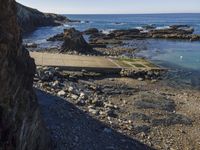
{"x":128,"y":13}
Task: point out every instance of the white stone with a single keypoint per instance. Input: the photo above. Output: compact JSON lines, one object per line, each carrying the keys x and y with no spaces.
{"x":55,"y":83}
{"x":82,"y":95}
{"x":75,"y":97}
{"x":140,"y":79}
{"x":70,"y":89}
{"x":61,"y":93}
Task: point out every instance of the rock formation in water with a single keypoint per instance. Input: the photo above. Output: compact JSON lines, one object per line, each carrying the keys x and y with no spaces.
{"x":21,"y":127}
{"x":29,"y":18}
{"x":74,"y":41}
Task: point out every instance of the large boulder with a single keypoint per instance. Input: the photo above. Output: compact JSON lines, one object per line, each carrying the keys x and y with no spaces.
{"x":74,"y":41}
{"x":29,"y":18}
{"x":21,"y":126}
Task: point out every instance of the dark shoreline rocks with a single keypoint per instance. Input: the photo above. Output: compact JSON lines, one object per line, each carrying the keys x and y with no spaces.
{"x":29,"y":18}
{"x":74,"y":41}
{"x":91,"y":31}
{"x":57,"y":37}
{"x":97,"y":39}
{"x":176,"y":32}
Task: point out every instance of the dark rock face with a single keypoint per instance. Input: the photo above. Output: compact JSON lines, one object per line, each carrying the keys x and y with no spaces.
{"x":21,"y":127}
{"x":57,"y":37}
{"x":74,"y":41}
{"x":91,"y":31}
{"x":29,"y":18}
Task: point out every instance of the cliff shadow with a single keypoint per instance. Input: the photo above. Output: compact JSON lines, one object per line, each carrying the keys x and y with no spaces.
{"x":74,"y":129}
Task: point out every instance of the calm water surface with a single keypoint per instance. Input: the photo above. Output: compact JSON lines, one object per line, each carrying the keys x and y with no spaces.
{"x":183,"y":57}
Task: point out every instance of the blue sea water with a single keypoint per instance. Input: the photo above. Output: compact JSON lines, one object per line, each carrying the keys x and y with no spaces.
{"x":179,"y":55}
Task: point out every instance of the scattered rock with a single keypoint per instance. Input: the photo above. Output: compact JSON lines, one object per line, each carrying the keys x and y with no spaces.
{"x":111,"y":113}
{"x":61,"y":93}
{"x":73,"y":96}
{"x":80,"y":102}
{"x":140,"y":116}
{"x":141,"y":129}
{"x":93,"y":111}
{"x":140,"y":79}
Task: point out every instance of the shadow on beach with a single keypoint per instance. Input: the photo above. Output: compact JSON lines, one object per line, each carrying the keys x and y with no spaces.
{"x":74,"y":129}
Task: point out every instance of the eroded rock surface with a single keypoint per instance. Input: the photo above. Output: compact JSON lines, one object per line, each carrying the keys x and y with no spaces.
{"x":29,"y":18}
{"x":21,"y":127}
{"x":74,"y":41}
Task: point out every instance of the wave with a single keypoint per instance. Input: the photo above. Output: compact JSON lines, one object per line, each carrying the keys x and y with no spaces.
{"x":67,"y":25}
{"x":107,"y":31}
{"x":119,"y":23}
{"x":164,"y":27}
{"x":84,"y":21}
{"x":139,"y":28}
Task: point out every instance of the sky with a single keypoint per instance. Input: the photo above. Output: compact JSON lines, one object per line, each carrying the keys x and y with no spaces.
{"x":114,"y":6}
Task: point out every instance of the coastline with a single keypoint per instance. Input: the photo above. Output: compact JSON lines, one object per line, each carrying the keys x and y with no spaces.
{"x":161,"y":113}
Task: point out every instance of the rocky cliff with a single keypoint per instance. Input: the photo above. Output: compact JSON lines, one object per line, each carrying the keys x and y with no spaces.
{"x":30,"y":18}
{"x":21,"y":127}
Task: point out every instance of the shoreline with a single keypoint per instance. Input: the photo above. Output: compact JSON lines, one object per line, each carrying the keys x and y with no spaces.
{"x":161,"y":112}
{"x":137,"y":109}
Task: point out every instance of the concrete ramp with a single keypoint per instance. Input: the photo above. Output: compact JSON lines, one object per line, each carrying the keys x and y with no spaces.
{"x":89,"y":63}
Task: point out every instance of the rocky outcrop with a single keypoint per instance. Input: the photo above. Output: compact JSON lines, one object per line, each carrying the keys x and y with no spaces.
{"x":29,"y":18}
{"x":21,"y":127}
{"x":57,"y":37}
{"x":74,"y":41}
{"x":177,"y":32}
{"x":91,"y":31}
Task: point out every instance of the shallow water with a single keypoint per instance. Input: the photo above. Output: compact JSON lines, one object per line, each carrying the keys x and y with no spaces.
{"x":182,"y":57}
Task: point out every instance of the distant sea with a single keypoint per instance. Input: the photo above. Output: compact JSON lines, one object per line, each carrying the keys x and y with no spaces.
{"x":180,"y":55}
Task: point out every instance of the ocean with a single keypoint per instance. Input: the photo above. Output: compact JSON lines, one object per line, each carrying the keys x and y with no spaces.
{"x":177,"y":55}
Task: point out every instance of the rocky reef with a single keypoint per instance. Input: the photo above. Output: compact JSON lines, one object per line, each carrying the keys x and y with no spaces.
{"x":29,"y":18}
{"x":174,"y":32}
{"x":21,"y":126}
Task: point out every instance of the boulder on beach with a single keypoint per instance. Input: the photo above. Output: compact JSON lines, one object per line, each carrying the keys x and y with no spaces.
{"x":74,"y":41}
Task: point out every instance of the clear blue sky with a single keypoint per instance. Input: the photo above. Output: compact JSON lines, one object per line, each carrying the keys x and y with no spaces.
{"x":114,"y":6}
